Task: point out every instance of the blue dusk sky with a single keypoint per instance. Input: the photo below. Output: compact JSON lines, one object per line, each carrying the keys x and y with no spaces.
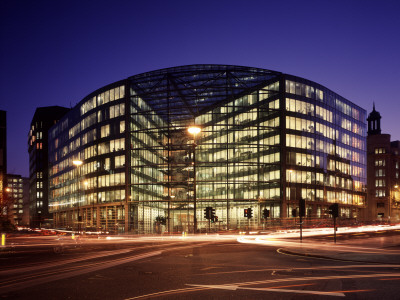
{"x":57,"y":52}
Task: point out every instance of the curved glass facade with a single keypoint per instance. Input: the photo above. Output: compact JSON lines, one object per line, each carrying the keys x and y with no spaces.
{"x":267,"y":140}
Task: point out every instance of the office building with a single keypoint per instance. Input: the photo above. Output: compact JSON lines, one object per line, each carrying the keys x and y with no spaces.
{"x":123,"y":160}
{"x":18,"y":194}
{"x":3,"y":164}
{"x":43,"y":119}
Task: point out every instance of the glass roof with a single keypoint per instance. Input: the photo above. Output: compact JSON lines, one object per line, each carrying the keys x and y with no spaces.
{"x":180,"y":93}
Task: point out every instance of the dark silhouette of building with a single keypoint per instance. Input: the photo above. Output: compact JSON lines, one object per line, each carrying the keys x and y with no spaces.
{"x":43,"y":119}
{"x":383,"y":170}
{"x":267,"y":141}
{"x":3,"y":165}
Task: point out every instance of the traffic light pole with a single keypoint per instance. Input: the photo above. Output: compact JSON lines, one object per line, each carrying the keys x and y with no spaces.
{"x":302,"y":213}
{"x":301,"y":229}
{"x":334,"y":211}
{"x":334,"y":229}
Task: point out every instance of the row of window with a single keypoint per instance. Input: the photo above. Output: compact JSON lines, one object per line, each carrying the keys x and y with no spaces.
{"x":296,"y":193}
{"x":314,"y":93}
{"x":111,"y":112}
{"x":103,"y":98}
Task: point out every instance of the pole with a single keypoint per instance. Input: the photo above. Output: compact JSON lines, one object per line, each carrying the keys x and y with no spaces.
{"x":194,"y":188}
{"x":301,"y":228}
{"x":334,"y":229}
{"x":79,"y":195}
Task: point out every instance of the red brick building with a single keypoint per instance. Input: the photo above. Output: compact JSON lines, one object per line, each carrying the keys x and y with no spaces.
{"x":383,"y":160}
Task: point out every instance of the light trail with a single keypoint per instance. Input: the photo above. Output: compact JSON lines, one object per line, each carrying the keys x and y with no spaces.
{"x":60,"y":263}
{"x":303,"y":268}
{"x":315,"y":246}
{"x":55,"y":275}
{"x":235,"y":287}
{"x":26,"y":281}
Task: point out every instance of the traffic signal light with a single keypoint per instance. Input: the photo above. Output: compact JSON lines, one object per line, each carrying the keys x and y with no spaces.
{"x":294,"y":213}
{"x":334,"y":210}
{"x":209,"y":213}
{"x":245,"y":213}
{"x":302,"y":208}
{"x":265,"y":213}
{"x":249,"y":213}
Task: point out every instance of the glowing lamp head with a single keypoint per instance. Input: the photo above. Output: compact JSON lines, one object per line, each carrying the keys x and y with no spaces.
{"x":77,"y":162}
{"x":194,"y":130}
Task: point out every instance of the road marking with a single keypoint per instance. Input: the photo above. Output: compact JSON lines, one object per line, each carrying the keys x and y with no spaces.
{"x":209,"y":268}
{"x":236,"y":287}
{"x":170,"y":292}
{"x":285,"y":286}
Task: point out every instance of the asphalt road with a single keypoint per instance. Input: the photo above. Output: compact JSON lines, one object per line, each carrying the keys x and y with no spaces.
{"x":206,"y":267}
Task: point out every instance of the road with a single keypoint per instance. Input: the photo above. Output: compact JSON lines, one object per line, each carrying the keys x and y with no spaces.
{"x":202,"y":267}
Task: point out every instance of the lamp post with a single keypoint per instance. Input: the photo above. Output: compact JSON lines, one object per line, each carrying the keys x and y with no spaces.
{"x":194,"y":130}
{"x":77,"y":164}
{"x":392,"y":200}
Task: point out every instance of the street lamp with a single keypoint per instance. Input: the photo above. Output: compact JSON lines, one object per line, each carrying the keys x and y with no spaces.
{"x":194,"y":130}
{"x":77,"y":164}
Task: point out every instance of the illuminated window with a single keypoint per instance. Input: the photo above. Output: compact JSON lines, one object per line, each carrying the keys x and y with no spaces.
{"x":380,"y":193}
{"x":105,"y":131}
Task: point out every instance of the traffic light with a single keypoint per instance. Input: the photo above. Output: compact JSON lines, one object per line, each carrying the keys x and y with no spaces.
{"x":302,"y":208}
{"x":294,"y":213}
{"x":216,"y":219}
{"x":265,"y":213}
{"x":245,"y":213}
{"x":208,"y":212}
{"x":334,"y":210}
{"x":249,"y":213}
